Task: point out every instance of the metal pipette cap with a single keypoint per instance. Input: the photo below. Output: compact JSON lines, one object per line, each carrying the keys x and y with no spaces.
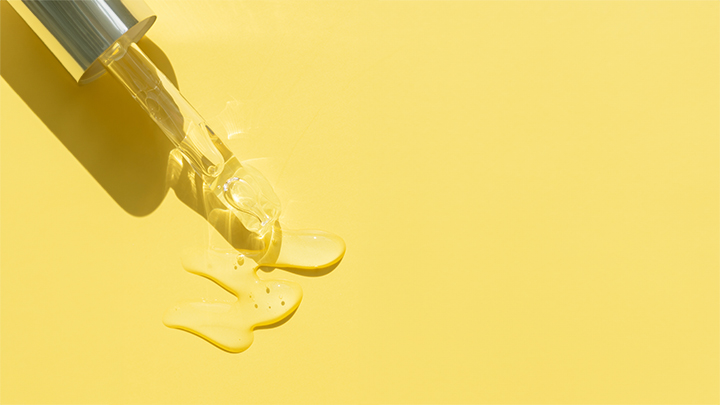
{"x":77,"y":32}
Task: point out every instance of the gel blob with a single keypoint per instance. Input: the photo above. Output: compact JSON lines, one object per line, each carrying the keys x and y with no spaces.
{"x":230,"y":324}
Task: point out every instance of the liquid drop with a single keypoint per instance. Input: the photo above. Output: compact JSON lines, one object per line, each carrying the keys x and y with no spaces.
{"x":303,"y":249}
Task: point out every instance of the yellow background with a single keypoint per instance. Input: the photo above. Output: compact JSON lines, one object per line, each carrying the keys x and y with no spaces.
{"x":528,"y":192}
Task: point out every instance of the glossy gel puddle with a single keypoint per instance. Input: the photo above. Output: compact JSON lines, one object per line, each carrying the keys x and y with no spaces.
{"x":230,"y":324}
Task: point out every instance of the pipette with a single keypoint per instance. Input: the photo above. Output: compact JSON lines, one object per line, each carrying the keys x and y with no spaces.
{"x":91,"y":36}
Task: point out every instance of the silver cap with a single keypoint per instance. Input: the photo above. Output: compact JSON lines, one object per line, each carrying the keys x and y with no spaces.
{"x":77,"y":32}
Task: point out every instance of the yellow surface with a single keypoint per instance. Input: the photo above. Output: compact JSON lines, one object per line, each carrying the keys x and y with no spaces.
{"x":528,"y":192}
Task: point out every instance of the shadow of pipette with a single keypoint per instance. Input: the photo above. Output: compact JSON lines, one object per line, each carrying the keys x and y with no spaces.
{"x":98,"y":123}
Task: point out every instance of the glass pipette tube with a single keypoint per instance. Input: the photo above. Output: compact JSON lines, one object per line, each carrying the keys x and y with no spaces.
{"x":242,"y":189}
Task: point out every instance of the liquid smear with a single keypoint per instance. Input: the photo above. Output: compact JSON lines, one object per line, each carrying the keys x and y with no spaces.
{"x":241,"y":194}
{"x":230,"y":324}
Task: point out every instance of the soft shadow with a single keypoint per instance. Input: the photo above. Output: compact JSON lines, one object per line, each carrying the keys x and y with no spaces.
{"x":192,"y":332}
{"x":304,"y":272}
{"x":99,"y":123}
{"x":278,"y":323}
